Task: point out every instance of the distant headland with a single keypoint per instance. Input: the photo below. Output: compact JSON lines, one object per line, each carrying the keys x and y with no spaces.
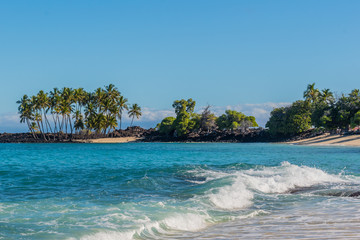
{"x":74,"y":115}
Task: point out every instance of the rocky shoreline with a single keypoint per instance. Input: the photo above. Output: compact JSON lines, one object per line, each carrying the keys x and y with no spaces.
{"x":150,"y":135}
{"x":70,"y":138}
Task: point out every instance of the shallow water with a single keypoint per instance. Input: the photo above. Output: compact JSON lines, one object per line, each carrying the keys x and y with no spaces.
{"x":178,"y":191}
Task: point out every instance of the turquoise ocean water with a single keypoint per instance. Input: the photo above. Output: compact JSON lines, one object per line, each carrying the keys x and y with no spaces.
{"x":178,"y":191}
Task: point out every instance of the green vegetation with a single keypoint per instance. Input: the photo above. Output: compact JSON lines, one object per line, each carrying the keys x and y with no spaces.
{"x":186,"y":121}
{"x":166,"y":126}
{"x":184,"y":110}
{"x":319,"y":109}
{"x":293,"y":119}
{"x":68,"y":111}
{"x":355,"y":121}
{"x":75,"y":110}
{"x":232,"y":120}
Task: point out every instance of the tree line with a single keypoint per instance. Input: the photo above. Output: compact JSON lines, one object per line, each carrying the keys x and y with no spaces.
{"x":187,"y":121}
{"x":67,"y":111}
{"x":319,"y":109}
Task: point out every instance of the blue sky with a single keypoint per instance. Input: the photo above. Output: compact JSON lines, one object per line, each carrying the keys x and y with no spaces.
{"x":230,"y":54}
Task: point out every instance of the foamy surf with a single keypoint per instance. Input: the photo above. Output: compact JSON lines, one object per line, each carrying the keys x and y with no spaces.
{"x":188,"y":222}
{"x":279,"y":179}
{"x":286,"y":177}
{"x":233,"y":197}
{"x":234,"y":191}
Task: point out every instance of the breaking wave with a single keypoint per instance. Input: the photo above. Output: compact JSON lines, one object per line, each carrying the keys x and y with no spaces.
{"x":224,"y":195}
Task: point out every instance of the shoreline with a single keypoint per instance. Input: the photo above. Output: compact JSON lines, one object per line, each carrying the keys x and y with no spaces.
{"x":327,"y":139}
{"x":137,"y":134}
{"x":110,"y":140}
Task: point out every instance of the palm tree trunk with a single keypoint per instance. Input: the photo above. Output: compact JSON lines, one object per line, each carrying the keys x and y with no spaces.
{"x":65,"y":122}
{"x":55,"y":125}
{"x":31,"y":130}
{"x":47,"y":121}
{"x":41,"y":130}
{"x":61,"y":125}
{"x":43,"y":113}
{"x":71,"y":128}
{"x":42,"y":125}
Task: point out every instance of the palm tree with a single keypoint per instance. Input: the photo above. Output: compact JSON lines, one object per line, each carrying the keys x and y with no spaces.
{"x":78,"y":98}
{"x":112,"y":92}
{"x":327,"y":96}
{"x":38,"y":119}
{"x":26,"y":112}
{"x":102,"y":108}
{"x":99,"y":95}
{"x":355,"y":93}
{"x":135,"y":111}
{"x":122,"y":105}
{"x":99,"y":123}
{"x":311,"y":93}
{"x":79,"y":121}
{"x":37,"y":115}
{"x":54,"y":99}
{"x":34,"y":128}
{"x":106,"y":110}
{"x":90,"y":113}
{"x":44,"y":105}
{"x":112,"y":123}
{"x":67,"y":99}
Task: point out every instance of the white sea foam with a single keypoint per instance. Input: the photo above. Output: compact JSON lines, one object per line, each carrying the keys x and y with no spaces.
{"x":235,"y":196}
{"x":286,"y":177}
{"x":189,"y":222}
{"x":186,"y":222}
{"x":161,"y":204}
{"x":280,"y":179}
{"x":108,"y":235}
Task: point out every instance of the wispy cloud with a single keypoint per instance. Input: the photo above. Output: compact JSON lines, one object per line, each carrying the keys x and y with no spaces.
{"x":8,"y":117}
{"x":151,"y":114}
{"x":260,"y":111}
{"x":10,"y":122}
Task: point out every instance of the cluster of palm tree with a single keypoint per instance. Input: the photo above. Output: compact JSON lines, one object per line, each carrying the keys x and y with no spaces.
{"x":70,"y":111}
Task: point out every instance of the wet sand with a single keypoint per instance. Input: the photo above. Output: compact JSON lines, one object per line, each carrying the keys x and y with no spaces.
{"x":330,"y":140}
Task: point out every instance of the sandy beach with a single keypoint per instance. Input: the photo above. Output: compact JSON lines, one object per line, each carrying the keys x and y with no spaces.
{"x":330,"y":140}
{"x":111,"y":140}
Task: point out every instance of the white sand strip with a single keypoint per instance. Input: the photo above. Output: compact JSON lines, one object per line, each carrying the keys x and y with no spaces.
{"x":333,"y":140}
{"x":110,"y":140}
